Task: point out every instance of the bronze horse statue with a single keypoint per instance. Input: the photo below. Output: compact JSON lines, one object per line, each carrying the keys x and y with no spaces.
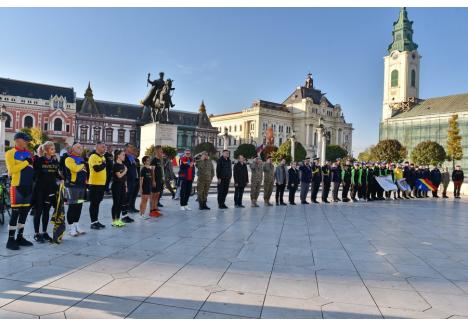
{"x":162,"y":103}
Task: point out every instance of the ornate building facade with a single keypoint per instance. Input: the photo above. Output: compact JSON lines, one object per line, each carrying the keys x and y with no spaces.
{"x":300,"y":114}
{"x":405,"y":116}
{"x":27,"y":104}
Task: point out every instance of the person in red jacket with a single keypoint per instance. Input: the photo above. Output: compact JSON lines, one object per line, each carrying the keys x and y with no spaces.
{"x":186,"y":176}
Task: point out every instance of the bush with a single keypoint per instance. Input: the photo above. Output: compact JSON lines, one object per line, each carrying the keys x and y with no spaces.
{"x":268,"y":151}
{"x":247,"y":150}
{"x":333,"y":152}
{"x":207,"y":147}
{"x":170,"y":151}
{"x":284,"y":151}
{"x":150,"y":151}
{"x":389,"y":150}
{"x":367,"y":155}
{"x":428,"y":152}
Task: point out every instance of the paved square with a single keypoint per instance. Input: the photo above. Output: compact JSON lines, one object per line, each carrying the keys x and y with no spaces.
{"x":392,"y":259}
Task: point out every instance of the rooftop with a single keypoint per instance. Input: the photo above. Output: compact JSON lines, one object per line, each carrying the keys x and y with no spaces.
{"x":437,"y":105}
{"x":28,"y":89}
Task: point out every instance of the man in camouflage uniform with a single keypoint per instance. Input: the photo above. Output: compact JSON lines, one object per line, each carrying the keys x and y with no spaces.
{"x":268,"y":181}
{"x":256,"y":168}
{"x":205,"y":175}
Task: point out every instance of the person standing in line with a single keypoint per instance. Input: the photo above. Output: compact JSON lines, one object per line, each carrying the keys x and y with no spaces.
{"x":19,"y":164}
{"x":362,"y":180}
{"x":293,"y":182}
{"x":346,"y":179}
{"x":224,"y":175}
{"x":75,"y":187}
{"x":335,"y":175}
{"x":407,"y":176}
{"x":119,"y":187}
{"x":355,"y":181}
{"x":306,"y":177}
{"x":371,"y":182}
{"x":268,"y":180}
{"x":457,"y":178}
{"x":316,"y":180}
{"x":326,"y":181}
{"x":97,"y":183}
{"x":426,"y":174}
{"x":398,"y":175}
{"x":436,"y":179}
{"x":46,"y":170}
{"x":132,"y":179}
{"x":145,"y":185}
{"x":186,"y":175}
{"x":445,"y":182}
{"x":109,"y":164}
{"x":256,"y":178}
{"x":241,"y":179}
{"x":169,"y":175}
{"x":281,"y":178}
{"x":157,"y":181}
{"x":205,"y":176}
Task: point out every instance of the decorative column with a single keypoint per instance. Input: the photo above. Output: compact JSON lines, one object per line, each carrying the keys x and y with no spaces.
{"x":319,"y":140}
{"x":225,"y":138}
{"x":307,"y":135}
{"x":3,"y":118}
{"x":323,"y":147}
{"x":293,"y":146}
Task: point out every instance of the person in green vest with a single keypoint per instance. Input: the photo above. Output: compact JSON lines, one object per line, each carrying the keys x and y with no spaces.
{"x":355,"y":171}
{"x":362,"y":179}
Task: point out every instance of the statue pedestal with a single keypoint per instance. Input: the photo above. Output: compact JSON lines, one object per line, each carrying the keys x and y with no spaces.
{"x":157,"y":134}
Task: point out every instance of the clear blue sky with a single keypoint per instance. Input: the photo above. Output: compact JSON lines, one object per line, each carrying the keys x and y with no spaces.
{"x":230,"y":57}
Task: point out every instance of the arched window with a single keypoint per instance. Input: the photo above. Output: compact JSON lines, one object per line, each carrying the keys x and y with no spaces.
{"x":58,"y":124}
{"x":8,"y":121}
{"x":394,"y":82}
{"x":413,"y":78}
{"x":28,"y":122}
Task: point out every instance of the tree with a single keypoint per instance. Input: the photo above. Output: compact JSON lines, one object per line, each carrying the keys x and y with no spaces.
{"x":454,"y":146}
{"x":268,"y":151}
{"x":37,"y":137}
{"x":150,"y":151}
{"x":428,"y":152}
{"x":367,"y":155}
{"x":284,"y":151}
{"x":205,"y":147}
{"x":389,"y":150}
{"x":246,"y":150}
{"x":170,"y":151}
{"x":334,"y":151}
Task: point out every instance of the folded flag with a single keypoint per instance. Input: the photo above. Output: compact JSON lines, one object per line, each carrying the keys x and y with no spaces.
{"x":403,"y":185}
{"x":425,"y":185}
{"x":386,"y":183}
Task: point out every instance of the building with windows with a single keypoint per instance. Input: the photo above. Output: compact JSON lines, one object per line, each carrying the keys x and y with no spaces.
{"x":300,"y":114}
{"x":405,"y":116}
{"x":27,"y":104}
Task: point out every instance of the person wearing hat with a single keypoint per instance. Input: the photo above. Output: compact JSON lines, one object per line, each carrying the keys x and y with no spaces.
{"x":224,"y":175}
{"x":346,"y":179}
{"x":362,"y":179}
{"x":316,"y":180}
{"x":335,"y":175}
{"x":19,"y":164}
{"x":256,"y":178}
{"x":268,"y":180}
{"x":205,"y":176}
{"x":355,"y":184}
{"x":326,"y":181}
{"x":293,"y":182}
{"x":305,"y":176}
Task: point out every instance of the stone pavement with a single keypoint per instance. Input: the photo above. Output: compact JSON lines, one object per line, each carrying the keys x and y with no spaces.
{"x":392,"y":259}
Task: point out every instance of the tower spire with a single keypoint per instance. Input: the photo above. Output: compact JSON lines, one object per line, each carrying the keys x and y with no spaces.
{"x":402,"y":34}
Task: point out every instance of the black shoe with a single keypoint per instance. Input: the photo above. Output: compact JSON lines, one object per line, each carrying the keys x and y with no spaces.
{"x":315,"y":202}
{"x":325,"y":201}
{"x":133,"y":210}
{"x":335,"y":200}
{"x":222,"y":206}
{"x":127,"y":219}
{"x":21,"y":241}
{"x":277,"y":204}
{"x":292,"y":203}
{"x":46,"y":237}
{"x":12,"y":244}
{"x":305,"y":202}
{"x":283,"y":204}
{"x":39,"y":238}
{"x":160,"y":205}
{"x":95,"y":226}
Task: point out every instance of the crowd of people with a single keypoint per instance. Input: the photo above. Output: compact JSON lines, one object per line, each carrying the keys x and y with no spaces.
{"x":37,"y":178}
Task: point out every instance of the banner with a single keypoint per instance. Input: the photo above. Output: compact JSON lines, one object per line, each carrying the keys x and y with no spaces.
{"x":386,"y":183}
{"x":425,"y":185}
{"x":403,"y":185}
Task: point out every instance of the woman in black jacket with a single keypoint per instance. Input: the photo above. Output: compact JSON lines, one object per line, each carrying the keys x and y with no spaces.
{"x":241,"y":179}
{"x":457,"y":178}
{"x":293,"y":182}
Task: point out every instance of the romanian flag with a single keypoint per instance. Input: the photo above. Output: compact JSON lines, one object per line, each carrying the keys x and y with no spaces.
{"x":425,"y":185}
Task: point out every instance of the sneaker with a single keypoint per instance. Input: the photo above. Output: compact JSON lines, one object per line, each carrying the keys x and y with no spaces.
{"x":160,"y":205}
{"x":102,"y":226}
{"x":120,"y":223}
{"x":39,"y":238}
{"x":12,"y":244}
{"x":182,"y":208}
{"x":78,"y":229}
{"x":154,"y":213}
{"x":72,"y":232}
{"x":21,"y":241}
{"x":94,"y":226}
{"x":144,"y":217}
{"x":114,"y":223}
{"x":127,"y":219}
{"x":187,"y":208}
{"x":46,"y":237}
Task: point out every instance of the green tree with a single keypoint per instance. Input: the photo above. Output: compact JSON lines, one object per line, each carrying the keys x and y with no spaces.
{"x":284,"y":151}
{"x":170,"y":151}
{"x":205,"y":147}
{"x":150,"y":151}
{"x":268,"y":151}
{"x":454,"y":146}
{"x":389,"y":150}
{"x":367,"y":155}
{"x":334,"y":151}
{"x":37,"y":136}
{"x":246,"y":150}
{"x":428,"y":152}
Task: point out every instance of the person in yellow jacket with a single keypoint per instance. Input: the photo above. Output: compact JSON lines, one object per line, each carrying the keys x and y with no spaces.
{"x":97,"y":183}
{"x":75,"y":187}
{"x":19,"y":163}
{"x":398,"y":175}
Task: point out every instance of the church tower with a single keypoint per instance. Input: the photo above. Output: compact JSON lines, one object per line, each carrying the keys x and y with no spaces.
{"x":401,"y":74}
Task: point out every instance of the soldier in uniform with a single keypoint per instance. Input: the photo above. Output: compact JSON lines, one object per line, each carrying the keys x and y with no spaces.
{"x":269,"y":179}
{"x":316,"y":180}
{"x":346,"y":179}
{"x":362,"y":192}
{"x":256,"y":177}
{"x":305,"y":176}
{"x":293,"y":182}
{"x":205,"y":175}
{"x":326,"y":181}
{"x":335,"y":175}
{"x":355,"y":186}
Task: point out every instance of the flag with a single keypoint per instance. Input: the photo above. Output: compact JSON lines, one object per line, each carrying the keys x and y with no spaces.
{"x":403,"y":185}
{"x":58,"y":218}
{"x":386,"y":183}
{"x":425,"y":185}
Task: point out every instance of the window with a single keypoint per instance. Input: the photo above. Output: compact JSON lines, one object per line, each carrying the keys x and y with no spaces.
{"x":230,"y":129}
{"x":132,"y":137}
{"x":240,"y":128}
{"x":121,"y":136}
{"x":55,"y":104}
{"x":28,"y":121}
{"x":280,"y":141}
{"x":68,"y":128}
{"x":46,"y":126}
{"x":97,"y":134}
{"x":58,"y":124}
{"x":84,"y":133}
{"x":413,"y":78}
{"x":7,"y":143}
{"x":235,"y":128}
{"x":8,"y":121}
{"x":109,"y":135}
{"x":394,"y":81}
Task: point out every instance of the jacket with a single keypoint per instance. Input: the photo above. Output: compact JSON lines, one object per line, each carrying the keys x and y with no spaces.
{"x":335,"y":174}
{"x":132,"y":167}
{"x":457,"y":175}
{"x":241,"y":175}
{"x":436,"y":176}
{"x":186,"y":172}
{"x":326,"y":177}
{"x":346,"y":174}
{"x":281,"y":175}
{"x":19,"y":166}
{"x":445,"y":178}
{"x":223,"y":168}
{"x":306,"y":173}
{"x":293,"y":178}
{"x":74,"y":173}
{"x":97,"y":170}
{"x":316,"y":173}
{"x":205,"y":170}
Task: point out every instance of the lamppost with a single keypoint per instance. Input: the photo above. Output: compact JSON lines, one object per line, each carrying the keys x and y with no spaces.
{"x":293,"y":146}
